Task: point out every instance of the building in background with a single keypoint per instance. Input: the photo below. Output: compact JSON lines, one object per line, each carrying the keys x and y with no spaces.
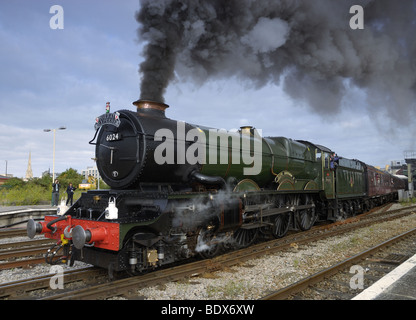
{"x":410,"y":157}
{"x":90,"y":171}
{"x":396,"y":165}
{"x":29,"y":173}
{"x":3,"y":179}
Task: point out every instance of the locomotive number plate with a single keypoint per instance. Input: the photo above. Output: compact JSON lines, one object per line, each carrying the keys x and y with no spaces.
{"x":113,"y":137}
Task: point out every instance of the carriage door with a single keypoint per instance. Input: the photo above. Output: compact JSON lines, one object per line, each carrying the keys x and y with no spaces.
{"x":328,"y":177}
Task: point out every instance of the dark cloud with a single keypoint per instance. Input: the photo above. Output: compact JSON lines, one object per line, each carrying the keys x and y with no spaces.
{"x":308,"y":46}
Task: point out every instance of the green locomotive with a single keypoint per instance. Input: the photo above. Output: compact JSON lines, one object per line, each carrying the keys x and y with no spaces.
{"x":179,"y":189}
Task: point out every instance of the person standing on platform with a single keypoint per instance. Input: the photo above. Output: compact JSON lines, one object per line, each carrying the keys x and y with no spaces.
{"x":70,"y":191}
{"x":55,"y":192}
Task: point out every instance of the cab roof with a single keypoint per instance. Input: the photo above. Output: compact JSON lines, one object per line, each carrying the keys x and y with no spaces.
{"x":318,"y":146}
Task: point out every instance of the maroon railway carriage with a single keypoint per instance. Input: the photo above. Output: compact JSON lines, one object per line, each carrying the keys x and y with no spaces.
{"x":381,"y":186}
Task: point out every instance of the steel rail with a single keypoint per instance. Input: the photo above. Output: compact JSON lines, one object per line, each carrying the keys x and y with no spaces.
{"x":20,"y":263}
{"x":319,"y":276}
{"x":129,"y":285}
{"x":8,"y":233}
{"x":23,"y":252}
{"x":20,"y":288}
{"x":29,"y":243}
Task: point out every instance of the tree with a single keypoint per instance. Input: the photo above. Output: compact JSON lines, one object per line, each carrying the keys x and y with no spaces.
{"x":13,"y":182}
{"x":45,"y":182}
{"x":70,"y":176}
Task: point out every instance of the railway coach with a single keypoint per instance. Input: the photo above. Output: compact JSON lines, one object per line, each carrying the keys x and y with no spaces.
{"x":381,"y":186}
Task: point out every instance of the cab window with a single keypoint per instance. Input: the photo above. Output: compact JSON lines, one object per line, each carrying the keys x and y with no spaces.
{"x":326,"y":160}
{"x":318,"y":155}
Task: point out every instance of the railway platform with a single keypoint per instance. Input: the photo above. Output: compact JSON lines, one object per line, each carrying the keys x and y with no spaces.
{"x":9,"y":209}
{"x":12,"y":215}
{"x":399,"y":284}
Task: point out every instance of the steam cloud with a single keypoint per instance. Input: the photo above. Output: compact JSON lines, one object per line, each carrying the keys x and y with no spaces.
{"x":308,"y":46}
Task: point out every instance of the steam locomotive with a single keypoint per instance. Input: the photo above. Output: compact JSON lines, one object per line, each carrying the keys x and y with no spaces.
{"x":179,"y":190}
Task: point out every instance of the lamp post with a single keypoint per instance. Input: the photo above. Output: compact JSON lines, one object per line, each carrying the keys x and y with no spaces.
{"x":53,"y":161}
{"x":98,"y":174}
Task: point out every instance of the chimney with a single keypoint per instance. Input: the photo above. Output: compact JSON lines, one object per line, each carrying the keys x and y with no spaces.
{"x":151,"y":107}
{"x":247,"y":129}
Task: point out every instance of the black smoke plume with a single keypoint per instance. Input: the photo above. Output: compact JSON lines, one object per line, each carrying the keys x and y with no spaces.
{"x":308,"y":46}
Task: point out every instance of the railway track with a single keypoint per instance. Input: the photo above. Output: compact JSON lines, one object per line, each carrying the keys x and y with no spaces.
{"x":127,"y":287}
{"x":27,"y":288}
{"x":336,"y":282}
{"x":12,"y":232}
{"x":21,"y":244}
{"x":12,"y":253}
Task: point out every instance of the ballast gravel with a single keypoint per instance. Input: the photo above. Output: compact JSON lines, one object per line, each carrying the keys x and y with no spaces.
{"x":253,"y":279}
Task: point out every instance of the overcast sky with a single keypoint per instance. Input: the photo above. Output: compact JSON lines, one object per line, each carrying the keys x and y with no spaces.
{"x":63,"y":77}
